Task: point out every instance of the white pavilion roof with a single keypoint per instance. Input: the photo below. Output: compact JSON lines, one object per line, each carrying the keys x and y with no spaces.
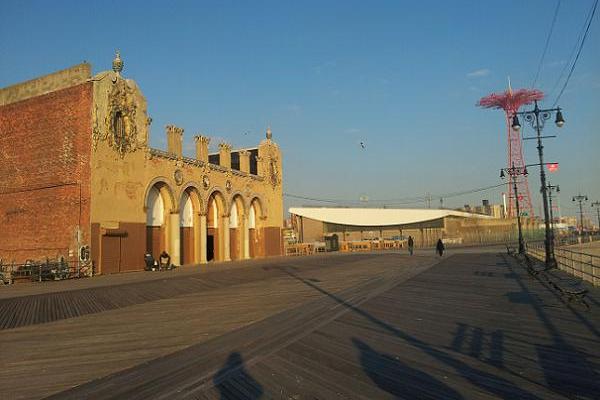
{"x":377,"y":216}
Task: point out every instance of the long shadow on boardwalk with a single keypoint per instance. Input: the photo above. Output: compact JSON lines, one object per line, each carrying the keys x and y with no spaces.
{"x":475,"y":342}
{"x":234,"y":382}
{"x":491,"y":383}
{"x":397,"y":378}
{"x":566,"y":370}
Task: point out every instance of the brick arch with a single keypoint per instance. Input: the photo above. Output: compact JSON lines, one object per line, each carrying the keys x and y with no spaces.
{"x":199,"y":203}
{"x":216,"y":225}
{"x":190,"y":209}
{"x":223,"y":203}
{"x":238,"y":195}
{"x":256,"y":238}
{"x":237,"y":227}
{"x":165,"y":188}
{"x":158,"y":237}
{"x":261,"y":203}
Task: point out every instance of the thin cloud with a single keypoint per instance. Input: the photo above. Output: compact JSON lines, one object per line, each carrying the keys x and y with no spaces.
{"x":478,"y":73}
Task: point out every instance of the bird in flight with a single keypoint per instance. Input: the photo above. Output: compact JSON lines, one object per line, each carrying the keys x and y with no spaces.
{"x":363,"y":145}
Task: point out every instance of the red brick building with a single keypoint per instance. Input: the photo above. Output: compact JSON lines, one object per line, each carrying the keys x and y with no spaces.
{"x":76,"y":172}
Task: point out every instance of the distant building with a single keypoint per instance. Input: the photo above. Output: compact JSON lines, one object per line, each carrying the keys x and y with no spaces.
{"x":493,"y":210}
{"x":313,"y":224}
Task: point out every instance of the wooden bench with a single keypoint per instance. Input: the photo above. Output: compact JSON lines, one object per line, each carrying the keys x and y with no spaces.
{"x":567,"y":285}
{"x":533,"y":268}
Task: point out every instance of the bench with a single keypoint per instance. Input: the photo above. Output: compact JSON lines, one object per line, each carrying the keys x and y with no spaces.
{"x":567,"y":285}
{"x":511,"y":251}
{"x":533,"y":268}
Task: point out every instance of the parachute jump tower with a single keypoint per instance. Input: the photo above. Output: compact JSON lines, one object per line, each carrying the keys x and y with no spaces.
{"x":510,"y":101}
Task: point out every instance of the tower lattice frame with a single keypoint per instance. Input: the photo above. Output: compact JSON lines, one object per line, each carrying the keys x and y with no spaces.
{"x":510,"y":101}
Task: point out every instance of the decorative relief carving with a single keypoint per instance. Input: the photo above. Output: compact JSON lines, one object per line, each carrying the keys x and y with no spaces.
{"x":228,"y":185}
{"x":274,"y":172}
{"x":224,"y":146}
{"x":178,"y":176}
{"x":118,"y":128}
{"x":205,"y":182}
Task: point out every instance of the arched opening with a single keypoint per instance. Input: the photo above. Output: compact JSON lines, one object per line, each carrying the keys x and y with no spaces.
{"x":119,"y":129}
{"x":189,"y":224}
{"x":214,"y":211}
{"x":254,"y":232}
{"x":158,"y":206}
{"x":237,"y":228}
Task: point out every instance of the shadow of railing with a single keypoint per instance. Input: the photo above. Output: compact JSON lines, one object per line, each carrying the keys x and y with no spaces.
{"x":566,"y":370}
{"x":489,"y":382}
{"x":389,"y":373}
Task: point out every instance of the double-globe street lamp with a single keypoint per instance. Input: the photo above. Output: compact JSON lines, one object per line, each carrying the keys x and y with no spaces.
{"x":597,"y":205}
{"x":537,"y":119}
{"x":513,"y":172}
{"x":552,"y":188}
{"x":580,"y":198}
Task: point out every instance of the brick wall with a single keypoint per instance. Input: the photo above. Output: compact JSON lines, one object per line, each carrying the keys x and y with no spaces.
{"x":45,"y":145}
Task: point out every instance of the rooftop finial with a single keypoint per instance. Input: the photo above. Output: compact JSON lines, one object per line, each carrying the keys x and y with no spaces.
{"x":117,"y":63}
{"x":269,"y":134}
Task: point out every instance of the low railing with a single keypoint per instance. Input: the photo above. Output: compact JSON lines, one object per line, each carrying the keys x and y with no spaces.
{"x":301,"y":249}
{"x":583,"y":265}
{"x":48,"y":270}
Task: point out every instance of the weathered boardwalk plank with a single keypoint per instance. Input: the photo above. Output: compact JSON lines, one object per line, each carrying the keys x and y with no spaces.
{"x":73,"y":351}
{"x":474,"y":326}
{"x":471,"y":327}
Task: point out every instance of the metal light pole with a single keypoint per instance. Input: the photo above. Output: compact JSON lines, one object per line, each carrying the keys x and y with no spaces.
{"x":513,"y":173}
{"x":597,"y":205}
{"x":580,"y":198}
{"x":550,"y":189}
{"x":537,"y":119}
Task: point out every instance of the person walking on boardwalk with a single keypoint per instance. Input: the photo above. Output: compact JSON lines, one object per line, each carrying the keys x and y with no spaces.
{"x":439,"y":247}
{"x":411,"y":245}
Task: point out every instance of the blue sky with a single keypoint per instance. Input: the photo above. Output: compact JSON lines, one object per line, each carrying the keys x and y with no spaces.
{"x":403,"y":77}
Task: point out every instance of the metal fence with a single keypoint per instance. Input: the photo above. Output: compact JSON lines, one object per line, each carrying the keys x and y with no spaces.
{"x":583,"y":265}
{"x":48,"y":270}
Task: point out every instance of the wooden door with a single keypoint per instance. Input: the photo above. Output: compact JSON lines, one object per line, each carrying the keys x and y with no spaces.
{"x":234,"y":243}
{"x":187,"y":245}
{"x":153,"y":241}
{"x":111,"y":255}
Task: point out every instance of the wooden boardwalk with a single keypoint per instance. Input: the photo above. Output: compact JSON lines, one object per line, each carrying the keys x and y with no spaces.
{"x":474,"y":326}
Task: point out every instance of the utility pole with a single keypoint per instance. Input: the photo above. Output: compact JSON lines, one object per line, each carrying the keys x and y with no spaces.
{"x":597,"y":205}
{"x":580,"y":198}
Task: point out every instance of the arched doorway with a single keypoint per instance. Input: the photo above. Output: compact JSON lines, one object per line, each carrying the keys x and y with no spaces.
{"x":158,"y":207}
{"x":254,"y":232}
{"x":215,"y":207}
{"x":237,"y":228}
{"x":189,"y":225}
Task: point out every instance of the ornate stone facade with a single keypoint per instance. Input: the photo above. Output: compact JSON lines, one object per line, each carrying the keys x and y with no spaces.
{"x":148,"y":200}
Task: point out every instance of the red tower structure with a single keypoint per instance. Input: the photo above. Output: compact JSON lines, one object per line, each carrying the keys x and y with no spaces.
{"x":510,"y":101}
